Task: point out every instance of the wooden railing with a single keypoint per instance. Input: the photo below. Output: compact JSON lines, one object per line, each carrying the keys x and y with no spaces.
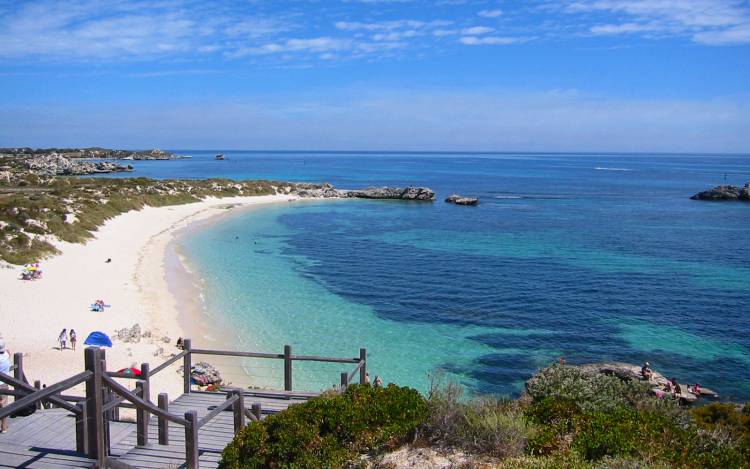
{"x":105,"y":396}
{"x":286,"y":356}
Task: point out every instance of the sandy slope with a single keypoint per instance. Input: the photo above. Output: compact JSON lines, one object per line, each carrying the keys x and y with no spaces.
{"x":32,"y":313}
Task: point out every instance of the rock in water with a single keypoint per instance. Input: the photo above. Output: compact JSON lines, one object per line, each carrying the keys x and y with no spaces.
{"x":725,"y":192}
{"x":407,"y":193}
{"x":328,"y":191}
{"x":461,"y":200}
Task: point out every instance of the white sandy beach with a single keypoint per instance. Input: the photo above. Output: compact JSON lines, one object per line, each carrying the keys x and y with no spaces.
{"x":32,"y":313}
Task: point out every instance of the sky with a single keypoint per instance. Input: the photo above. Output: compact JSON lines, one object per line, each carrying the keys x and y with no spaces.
{"x":415,"y":75}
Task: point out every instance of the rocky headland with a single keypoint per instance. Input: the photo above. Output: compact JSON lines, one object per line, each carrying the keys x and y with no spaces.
{"x":725,"y":192}
{"x":91,"y":153}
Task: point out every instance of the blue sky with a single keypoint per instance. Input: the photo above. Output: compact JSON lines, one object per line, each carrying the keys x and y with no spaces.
{"x":534,"y":75}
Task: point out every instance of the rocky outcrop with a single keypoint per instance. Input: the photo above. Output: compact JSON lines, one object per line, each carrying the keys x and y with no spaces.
{"x":630,"y":372}
{"x":393,"y":193}
{"x":305,"y":190}
{"x":407,"y":193}
{"x":725,"y":192}
{"x":130,"y":334}
{"x":461,"y":200}
{"x":205,"y":374}
{"x":58,"y":165}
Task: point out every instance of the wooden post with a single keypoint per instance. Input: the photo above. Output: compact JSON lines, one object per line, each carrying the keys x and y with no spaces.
{"x":92,"y":357}
{"x":18,"y":372}
{"x":163,"y":401}
{"x":186,"y":365}
{"x":287,"y":368}
{"x":38,"y":385}
{"x":344,"y":380}
{"x":363,"y":369}
{"x":141,"y":418}
{"x":82,"y":429}
{"x":239,"y":409}
{"x":257,"y":410}
{"x":106,"y":396}
{"x":191,"y":440}
{"x":146,"y":377}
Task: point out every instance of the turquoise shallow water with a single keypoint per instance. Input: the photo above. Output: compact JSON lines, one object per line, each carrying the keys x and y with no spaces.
{"x":559,"y":259}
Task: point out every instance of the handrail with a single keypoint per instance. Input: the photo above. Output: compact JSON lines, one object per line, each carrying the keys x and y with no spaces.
{"x":44,"y":394}
{"x":164,"y":365}
{"x":354,"y":372}
{"x":313,"y":358}
{"x":114,"y":403}
{"x":219,"y":409}
{"x":232,"y":353}
{"x":138,"y":402}
{"x":250,"y":415}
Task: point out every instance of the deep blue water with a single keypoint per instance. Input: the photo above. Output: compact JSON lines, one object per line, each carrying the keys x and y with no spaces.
{"x":590,"y":257}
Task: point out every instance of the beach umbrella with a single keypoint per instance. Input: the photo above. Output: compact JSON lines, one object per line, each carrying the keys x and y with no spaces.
{"x":98,"y":339}
{"x":130,"y":371}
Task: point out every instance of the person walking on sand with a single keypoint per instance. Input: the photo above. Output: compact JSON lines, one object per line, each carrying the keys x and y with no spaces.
{"x":73,"y":339}
{"x":4,"y":369}
{"x":63,"y":338}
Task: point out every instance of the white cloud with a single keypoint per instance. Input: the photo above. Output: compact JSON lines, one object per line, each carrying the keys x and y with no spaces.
{"x":713,"y":22}
{"x":490,"y":13}
{"x":491,"y":40}
{"x":477,"y":30}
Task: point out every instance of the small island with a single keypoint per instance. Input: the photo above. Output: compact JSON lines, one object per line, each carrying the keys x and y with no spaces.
{"x":725,"y":192}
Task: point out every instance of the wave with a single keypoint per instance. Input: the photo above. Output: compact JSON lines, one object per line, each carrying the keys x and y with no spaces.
{"x":604,"y":168}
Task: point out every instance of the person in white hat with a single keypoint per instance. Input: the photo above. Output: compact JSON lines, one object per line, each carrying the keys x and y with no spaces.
{"x":5,"y":369}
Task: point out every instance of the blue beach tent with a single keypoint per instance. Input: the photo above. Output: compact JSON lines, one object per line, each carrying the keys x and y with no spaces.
{"x":98,"y":339}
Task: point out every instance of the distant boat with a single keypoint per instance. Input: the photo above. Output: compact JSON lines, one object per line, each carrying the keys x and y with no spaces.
{"x":220,"y":156}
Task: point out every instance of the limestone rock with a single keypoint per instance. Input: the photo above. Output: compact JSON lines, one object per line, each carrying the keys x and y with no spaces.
{"x":132,"y":334}
{"x":203,"y":374}
{"x":407,"y":193}
{"x":461,"y":200}
{"x":725,"y":192}
{"x":57,"y":165}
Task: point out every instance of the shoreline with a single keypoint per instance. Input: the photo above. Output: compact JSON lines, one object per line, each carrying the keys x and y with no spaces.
{"x":136,"y":284}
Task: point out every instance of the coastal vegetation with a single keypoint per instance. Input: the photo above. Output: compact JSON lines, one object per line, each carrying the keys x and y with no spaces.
{"x":37,"y":211}
{"x":568,"y":418}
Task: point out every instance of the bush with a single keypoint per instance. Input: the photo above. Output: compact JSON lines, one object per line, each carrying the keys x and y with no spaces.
{"x":591,"y":391}
{"x":486,"y":425}
{"x":328,"y":431}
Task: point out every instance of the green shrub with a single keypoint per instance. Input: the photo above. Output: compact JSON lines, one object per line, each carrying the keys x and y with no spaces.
{"x":328,"y":431}
{"x":486,"y":425}
{"x":590,"y":390}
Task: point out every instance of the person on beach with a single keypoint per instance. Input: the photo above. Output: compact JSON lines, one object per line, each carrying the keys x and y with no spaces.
{"x":73,"y":339}
{"x":63,"y":338}
{"x":4,"y":369}
{"x":676,"y":387}
{"x":646,"y":371}
{"x":378,"y":382}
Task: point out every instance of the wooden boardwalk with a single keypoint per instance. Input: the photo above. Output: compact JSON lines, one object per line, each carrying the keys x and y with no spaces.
{"x":47,"y":438}
{"x":190,"y":432}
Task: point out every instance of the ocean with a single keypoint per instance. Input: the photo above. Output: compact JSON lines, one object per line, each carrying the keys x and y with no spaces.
{"x":590,"y":257}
